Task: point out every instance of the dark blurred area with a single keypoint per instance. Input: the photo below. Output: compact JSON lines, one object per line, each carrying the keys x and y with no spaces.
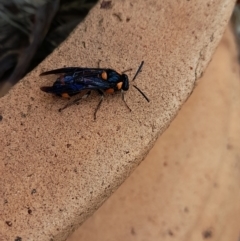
{"x":236,"y":25}
{"x":31,"y":30}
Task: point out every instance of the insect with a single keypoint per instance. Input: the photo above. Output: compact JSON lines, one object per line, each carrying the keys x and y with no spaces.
{"x":73,"y":80}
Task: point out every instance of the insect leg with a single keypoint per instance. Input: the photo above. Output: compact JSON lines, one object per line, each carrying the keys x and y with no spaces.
{"x":99,"y":104}
{"x":75,"y":101}
{"x":126,"y":70}
{"x":122,"y":92}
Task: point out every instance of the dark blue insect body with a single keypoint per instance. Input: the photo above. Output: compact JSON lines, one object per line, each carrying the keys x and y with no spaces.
{"x":73,"y":80}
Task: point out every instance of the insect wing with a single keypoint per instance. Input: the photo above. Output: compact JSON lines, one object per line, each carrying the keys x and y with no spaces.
{"x":74,"y":82}
{"x":92,"y":82}
{"x":73,"y":71}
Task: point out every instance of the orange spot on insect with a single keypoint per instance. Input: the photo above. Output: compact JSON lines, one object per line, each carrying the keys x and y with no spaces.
{"x":110,"y":91}
{"x":65,"y":95}
{"x":104,"y":75}
{"x":119,"y":85}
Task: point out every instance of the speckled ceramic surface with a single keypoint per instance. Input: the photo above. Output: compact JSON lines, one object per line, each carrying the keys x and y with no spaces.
{"x":187,"y":187}
{"x":58,"y":168}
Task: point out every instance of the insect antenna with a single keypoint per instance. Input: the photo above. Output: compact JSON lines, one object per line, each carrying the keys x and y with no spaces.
{"x":138,"y":71}
{"x":141,"y":93}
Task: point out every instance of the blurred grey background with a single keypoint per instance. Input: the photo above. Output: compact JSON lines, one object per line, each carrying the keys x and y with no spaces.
{"x":31,"y":30}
